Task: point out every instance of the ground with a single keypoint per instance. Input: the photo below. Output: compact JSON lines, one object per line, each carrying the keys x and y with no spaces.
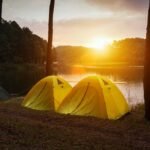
{"x":25,"y":129}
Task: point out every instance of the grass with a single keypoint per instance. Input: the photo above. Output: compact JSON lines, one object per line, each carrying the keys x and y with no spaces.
{"x":22,"y":128}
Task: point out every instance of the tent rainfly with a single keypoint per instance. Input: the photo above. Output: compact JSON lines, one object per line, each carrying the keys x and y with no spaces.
{"x":47,"y":94}
{"x":95,"y":96}
{"x":4,"y":95}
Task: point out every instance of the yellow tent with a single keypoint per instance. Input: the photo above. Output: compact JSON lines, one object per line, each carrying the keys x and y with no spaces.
{"x":95,"y":96}
{"x":47,"y":94}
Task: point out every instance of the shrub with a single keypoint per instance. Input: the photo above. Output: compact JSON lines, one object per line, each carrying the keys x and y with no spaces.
{"x":19,"y":78}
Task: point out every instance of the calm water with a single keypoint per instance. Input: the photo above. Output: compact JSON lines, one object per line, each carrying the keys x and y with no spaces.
{"x":129,"y":80}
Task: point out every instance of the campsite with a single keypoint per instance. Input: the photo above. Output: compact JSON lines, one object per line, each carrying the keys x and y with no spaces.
{"x":23,"y":128}
{"x":74,"y":75}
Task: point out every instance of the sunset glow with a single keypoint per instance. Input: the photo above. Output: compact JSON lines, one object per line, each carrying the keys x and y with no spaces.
{"x":99,"y":44}
{"x":76,"y":24}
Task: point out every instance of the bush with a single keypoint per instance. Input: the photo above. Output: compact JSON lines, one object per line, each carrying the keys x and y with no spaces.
{"x":19,"y":78}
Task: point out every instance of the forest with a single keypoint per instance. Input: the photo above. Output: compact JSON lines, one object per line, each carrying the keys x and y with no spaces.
{"x":20,"y":45}
{"x":130,"y":51}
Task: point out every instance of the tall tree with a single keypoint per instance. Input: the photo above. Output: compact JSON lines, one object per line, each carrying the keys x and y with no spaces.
{"x":147,"y":70}
{"x":1,"y":3}
{"x":49,"y":61}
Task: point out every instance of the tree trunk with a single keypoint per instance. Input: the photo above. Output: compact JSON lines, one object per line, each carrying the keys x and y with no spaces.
{"x":49,"y":61}
{"x":1,"y":3}
{"x":147,"y":70}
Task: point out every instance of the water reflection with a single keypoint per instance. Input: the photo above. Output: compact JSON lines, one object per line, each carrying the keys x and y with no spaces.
{"x":129,"y":80}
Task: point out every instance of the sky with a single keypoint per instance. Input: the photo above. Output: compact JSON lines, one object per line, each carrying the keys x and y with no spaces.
{"x":81,"y":22}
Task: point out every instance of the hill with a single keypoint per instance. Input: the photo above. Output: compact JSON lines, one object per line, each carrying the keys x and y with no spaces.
{"x":22,"y":57}
{"x":23,"y":129}
{"x":20,"y":45}
{"x":129,"y":50}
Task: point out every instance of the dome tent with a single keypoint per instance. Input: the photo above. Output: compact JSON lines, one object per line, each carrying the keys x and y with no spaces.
{"x":4,"y":95}
{"x":95,"y":96}
{"x":47,"y":94}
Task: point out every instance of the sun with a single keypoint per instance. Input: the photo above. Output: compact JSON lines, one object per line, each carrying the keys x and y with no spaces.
{"x":99,"y":44}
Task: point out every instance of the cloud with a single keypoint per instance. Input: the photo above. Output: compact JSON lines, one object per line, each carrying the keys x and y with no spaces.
{"x":79,"y":24}
{"x":80,"y":31}
{"x":121,"y":5}
{"x":27,"y":9}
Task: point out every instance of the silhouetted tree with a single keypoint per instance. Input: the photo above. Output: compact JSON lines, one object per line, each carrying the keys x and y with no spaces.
{"x":20,"y":45}
{"x":1,"y":3}
{"x":147,"y":70}
{"x":49,"y":61}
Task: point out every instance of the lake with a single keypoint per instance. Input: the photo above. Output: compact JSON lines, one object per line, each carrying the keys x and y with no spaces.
{"x":129,"y":80}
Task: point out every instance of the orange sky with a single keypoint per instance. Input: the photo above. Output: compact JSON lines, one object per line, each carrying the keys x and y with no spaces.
{"x":81,"y":22}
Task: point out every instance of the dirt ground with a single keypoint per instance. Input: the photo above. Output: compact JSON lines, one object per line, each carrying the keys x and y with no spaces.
{"x":25,"y":129}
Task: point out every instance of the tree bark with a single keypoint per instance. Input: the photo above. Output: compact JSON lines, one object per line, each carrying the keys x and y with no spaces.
{"x":49,"y":61}
{"x":1,"y":4}
{"x":147,"y":70}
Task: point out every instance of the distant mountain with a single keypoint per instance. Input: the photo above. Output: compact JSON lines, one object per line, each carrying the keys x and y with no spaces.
{"x":130,"y":50}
